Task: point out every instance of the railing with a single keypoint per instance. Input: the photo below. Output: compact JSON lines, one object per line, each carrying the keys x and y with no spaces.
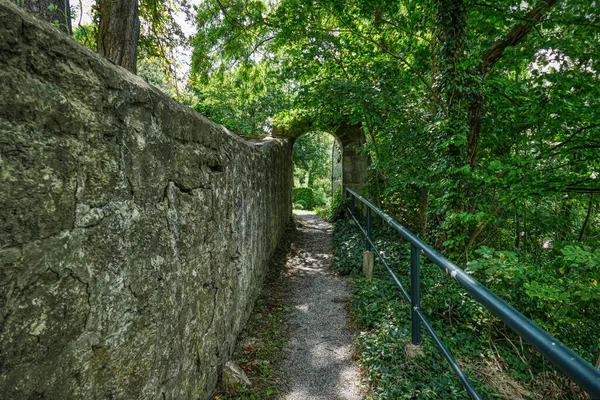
{"x":564,"y":359}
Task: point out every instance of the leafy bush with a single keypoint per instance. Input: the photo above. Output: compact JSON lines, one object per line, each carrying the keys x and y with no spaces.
{"x":300,"y":205}
{"x":304,"y":194}
{"x":348,"y":248}
{"x":336,"y":209}
{"x":550,"y":294}
{"x":561,"y":296}
{"x":322,"y":212}
{"x":319,"y":197}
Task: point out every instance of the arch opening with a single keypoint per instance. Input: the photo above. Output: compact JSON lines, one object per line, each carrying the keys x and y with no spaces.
{"x":351,"y":139}
{"x":317,"y":168}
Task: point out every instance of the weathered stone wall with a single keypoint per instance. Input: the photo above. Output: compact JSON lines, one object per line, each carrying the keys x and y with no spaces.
{"x":134,"y":233}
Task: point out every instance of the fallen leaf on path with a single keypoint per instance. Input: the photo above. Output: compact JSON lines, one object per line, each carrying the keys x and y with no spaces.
{"x":246,"y":367}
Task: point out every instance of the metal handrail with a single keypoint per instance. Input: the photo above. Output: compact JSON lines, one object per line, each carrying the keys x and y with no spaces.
{"x":564,"y":359}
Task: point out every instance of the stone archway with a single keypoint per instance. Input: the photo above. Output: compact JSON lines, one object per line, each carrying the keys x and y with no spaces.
{"x":350,"y":138}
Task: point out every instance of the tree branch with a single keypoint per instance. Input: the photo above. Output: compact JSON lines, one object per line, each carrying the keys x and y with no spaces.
{"x":587,"y":220}
{"x":571,"y":136}
{"x":582,"y":190}
{"x":227,"y":17}
{"x":560,"y":21}
{"x":397,"y":57}
{"x":515,"y":36}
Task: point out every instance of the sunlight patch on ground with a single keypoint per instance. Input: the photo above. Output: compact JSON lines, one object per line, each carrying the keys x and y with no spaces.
{"x":303,"y":212}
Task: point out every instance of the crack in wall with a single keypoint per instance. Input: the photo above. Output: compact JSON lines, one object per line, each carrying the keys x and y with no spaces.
{"x":173,"y":218}
{"x":187,"y":190}
{"x":79,"y":186}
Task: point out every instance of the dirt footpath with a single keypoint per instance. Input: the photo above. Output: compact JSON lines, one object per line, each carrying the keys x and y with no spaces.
{"x":317,"y":362}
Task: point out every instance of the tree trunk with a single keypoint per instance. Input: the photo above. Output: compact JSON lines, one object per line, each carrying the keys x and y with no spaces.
{"x":57,"y":12}
{"x":587,"y":220}
{"x":517,"y":231}
{"x":423,"y":204}
{"x":450,"y":20}
{"x":475,"y":119}
{"x":567,"y":212}
{"x":514,"y":37}
{"x":118,"y":31}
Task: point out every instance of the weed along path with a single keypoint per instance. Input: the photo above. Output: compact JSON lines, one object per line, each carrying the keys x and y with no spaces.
{"x":317,"y":362}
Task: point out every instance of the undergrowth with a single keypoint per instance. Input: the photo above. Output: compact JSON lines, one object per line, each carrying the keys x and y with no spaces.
{"x":261,"y":343}
{"x":498,"y":362}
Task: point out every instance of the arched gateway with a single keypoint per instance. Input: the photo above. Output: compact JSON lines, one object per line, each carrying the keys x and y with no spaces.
{"x":350,"y":138}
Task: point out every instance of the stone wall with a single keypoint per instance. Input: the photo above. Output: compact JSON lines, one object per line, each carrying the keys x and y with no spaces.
{"x":134,"y":233}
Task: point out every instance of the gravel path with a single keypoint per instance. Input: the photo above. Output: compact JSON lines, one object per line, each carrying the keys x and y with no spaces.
{"x":317,"y":363}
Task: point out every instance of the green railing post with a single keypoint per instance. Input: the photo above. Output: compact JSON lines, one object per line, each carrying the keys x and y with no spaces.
{"x":368,"y":245}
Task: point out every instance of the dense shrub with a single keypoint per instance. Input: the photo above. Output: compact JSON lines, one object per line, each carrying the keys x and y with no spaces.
{"x":320,"y":200}
{"x":348,"y":248}
{"x":300,"y":205}
{"x":304,"y":194}
{"x":548,"y":292}
{"x":561,"y":296}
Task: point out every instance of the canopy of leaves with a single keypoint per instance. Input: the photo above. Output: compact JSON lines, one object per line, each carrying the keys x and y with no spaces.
{"x":488,"y":109}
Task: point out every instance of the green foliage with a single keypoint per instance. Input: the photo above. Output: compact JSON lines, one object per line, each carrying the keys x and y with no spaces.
{"x":313,"y":165}
{"x":348,"y":249}
{"x":86,"y":35}
{"x":160,"y":38}
{"x":320,"y":198}
{"x":322,"y":212}
{"x":242,"y":99}
{"x":337,"y":207}
{"x":60,"y":15}
{"x":304,"y":196}
{"x":559,"y":296}
{"x":300,"y":205}
{"x":481,"y":343}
